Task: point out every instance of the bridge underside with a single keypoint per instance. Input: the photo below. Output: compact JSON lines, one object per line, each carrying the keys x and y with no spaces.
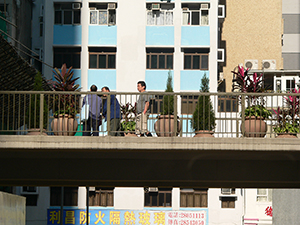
{"x":138,"y":162}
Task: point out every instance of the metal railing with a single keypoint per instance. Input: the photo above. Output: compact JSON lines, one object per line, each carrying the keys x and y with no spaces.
{"x":223,"y":113}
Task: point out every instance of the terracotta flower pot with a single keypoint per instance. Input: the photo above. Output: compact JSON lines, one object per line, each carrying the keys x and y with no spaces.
{"x":286,"y":135}
{"x":255,"y":127}
{"x":164,"y":126}
{"x":36,"y":131}
{"x":204,"y":133}
{"x":129,"y":134}
{"x":64,"y":123}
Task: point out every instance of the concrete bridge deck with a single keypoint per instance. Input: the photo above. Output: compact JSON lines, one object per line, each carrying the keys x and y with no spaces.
{"x":164,"y":162}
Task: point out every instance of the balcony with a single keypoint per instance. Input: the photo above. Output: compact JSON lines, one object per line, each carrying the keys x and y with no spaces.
{"x":228,"y":160}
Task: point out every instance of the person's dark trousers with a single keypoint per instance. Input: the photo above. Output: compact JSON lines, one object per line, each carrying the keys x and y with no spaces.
{"x":91,"y":123}
{"x":114,"y":127}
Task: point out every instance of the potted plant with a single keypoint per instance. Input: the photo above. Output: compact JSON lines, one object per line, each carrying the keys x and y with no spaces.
{"x":33,"y":112}
{"x":287,"y":119}
{"x":164,"y":126}
{"x":128,"y":119}
{"x":203,"y":121}
{"x":255,"y":113}
{"x":66,"y":106}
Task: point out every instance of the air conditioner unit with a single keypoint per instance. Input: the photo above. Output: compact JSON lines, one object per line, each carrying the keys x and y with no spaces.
{"x":269,"y":64}
{"x":251,"y":64}
{"x":226,"y":191}
{"x":204,"y":6}
{"x":111,"y":6}
{"x":76,"y":6}
{"x":26,"y":190}
{"x":92,"y":188}
{"x":155,"y":6}
{"x":153,"y":189}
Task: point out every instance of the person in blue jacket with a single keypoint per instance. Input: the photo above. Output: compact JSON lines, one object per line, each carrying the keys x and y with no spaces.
{"x":115,"y":113}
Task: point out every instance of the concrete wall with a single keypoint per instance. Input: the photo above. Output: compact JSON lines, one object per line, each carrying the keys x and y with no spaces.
{"x":291,"y":36}
{"x":286,"y":204}
{"x":252,"y":30}
{"x":12,"y":209}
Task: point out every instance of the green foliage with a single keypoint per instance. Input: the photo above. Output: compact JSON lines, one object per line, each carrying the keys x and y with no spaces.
{"x":291,"y":128}
{"x":257,"y":111}
{"x":168,"y":100}
{"x":33,"y":112}
{"x":128,"y":112}
{"x":203,"y":116}
{"x":64,"y":81}
{"x":286,"y":123}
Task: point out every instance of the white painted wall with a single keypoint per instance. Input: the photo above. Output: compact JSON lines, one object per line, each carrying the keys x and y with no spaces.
{"x":129,"y":198}
{"x":131,"y":58}
{"x":224,"y":216}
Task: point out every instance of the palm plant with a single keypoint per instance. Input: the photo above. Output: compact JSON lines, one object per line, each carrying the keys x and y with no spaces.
{"x":64,"y":81}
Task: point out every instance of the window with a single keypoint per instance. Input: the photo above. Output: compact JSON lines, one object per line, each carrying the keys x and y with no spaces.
{"x":188,"y":103}
{"x":155,"y":197}
{"x":101,"y":197}
{"x":290,"y":84}
{"x":160,"y":58}
{"x":196,"y":59}
{"x":193,"y":197}
{"x":103,"y":13}
{"x":160,"y":16}
{"x":102,"y":58}
{"x":70,"y":56}
{"x":70,"y":196}
{"x":228,"y":201}
{"x":195,"y":14}
{"x":227,"y":104}
{"x":67,"y":13}
{"x":264,"y":195}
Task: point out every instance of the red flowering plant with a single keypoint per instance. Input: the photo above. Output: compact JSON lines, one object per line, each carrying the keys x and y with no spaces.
{"x":246,"y":82}
{"x":128,"y":112}
{"x":288,"y":117}
{"x":65,"y":81}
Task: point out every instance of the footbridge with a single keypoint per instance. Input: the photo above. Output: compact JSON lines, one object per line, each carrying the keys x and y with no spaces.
{"x":136,"y":162}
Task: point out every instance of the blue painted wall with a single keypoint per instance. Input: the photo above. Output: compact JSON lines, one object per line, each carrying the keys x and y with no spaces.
{"x":102,"y":35}
{"x":195,"y":35}
{"x":156,"y":80}
{"x":102,"y":78}
{"x":190,"y":79}
{"x":67,"y":35}
{"x":160,"y":35}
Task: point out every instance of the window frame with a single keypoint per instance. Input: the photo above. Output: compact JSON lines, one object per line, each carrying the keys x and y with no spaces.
{"x":190,"y":11}
{"x":161,"y":10}
{"x":106,"y":61}
{"x":149,"y":64}
{"x":268,"y":195}
{"x":156,"y":194}
{"x":95,"y":197}
{"x":203,"y":193}
{"x":200,"y":60}
{"x":71,"y":51}
{"x":58,"y":8}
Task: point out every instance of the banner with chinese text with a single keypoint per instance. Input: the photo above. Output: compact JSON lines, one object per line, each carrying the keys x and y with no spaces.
{"x":102,"y":216}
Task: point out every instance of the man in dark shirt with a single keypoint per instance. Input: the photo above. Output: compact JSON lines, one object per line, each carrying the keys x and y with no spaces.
{"x":115,"y":115}
{"x":94,"y":121}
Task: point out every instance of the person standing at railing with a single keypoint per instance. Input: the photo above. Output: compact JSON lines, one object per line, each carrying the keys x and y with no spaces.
{"x":115,"y":114}
{"x":143,"y":110}
{"x":95,"y":107}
